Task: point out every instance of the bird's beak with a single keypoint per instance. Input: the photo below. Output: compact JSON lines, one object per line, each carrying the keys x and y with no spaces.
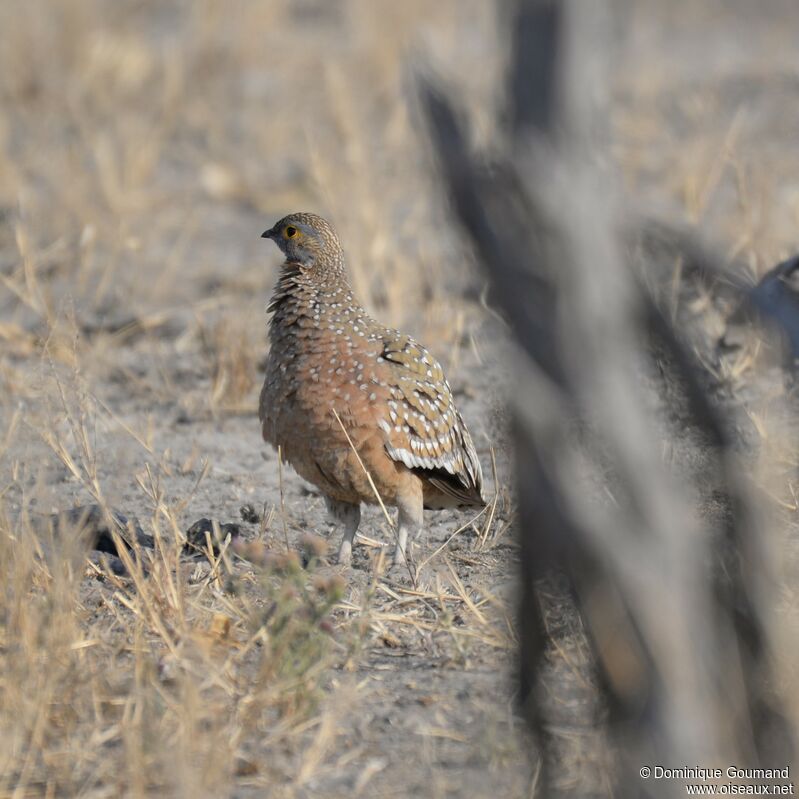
{"x":268,"y":234}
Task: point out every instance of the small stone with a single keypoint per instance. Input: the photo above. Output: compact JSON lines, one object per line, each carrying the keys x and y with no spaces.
{"x":249,"y":515}
{"x":198,"y":533}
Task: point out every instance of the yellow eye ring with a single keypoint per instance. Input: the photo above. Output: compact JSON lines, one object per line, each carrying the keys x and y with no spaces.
{"x":290,"y":232}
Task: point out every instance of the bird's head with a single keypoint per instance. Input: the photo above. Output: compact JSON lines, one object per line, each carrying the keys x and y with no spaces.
{"x":306,"y":239}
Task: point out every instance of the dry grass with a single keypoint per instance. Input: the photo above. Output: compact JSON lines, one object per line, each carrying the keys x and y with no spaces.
{"x":172,"y":680}
{"x":133,"y":280}
{"x":109,"y":683}
{"x":143,"y":149}
{"x":188,"y":676}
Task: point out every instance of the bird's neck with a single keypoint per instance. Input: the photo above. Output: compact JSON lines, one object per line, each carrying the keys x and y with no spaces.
{"x":311,"y":298}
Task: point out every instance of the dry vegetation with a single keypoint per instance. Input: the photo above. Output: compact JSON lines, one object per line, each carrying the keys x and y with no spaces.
{"x":143,"y":148}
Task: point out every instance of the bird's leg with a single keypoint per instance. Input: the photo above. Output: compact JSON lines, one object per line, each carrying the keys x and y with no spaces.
{"x":410,"y":517}
{"x":350,"y":516}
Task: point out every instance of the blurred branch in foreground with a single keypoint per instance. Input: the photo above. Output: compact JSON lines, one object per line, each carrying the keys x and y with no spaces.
{"x":672,"y":597}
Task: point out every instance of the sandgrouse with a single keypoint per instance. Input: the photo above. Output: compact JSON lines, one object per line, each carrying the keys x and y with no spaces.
{"x":339,"y":383}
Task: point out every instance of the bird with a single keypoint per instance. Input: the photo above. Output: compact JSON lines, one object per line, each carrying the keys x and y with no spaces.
{"x":775,"y":301}
{"x":361,"y":411}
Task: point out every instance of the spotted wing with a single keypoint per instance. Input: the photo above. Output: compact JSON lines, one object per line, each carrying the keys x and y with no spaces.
{"x":424,"y":429}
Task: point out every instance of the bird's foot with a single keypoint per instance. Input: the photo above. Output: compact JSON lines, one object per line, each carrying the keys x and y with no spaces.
{"x":345,"y":554}
{"x":402,"y":569}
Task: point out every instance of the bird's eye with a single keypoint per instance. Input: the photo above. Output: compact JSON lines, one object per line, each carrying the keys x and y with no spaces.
{"x":290,"y":232}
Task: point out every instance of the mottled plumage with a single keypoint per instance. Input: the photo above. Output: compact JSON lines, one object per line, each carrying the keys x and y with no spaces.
{"x":329,"y":358}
